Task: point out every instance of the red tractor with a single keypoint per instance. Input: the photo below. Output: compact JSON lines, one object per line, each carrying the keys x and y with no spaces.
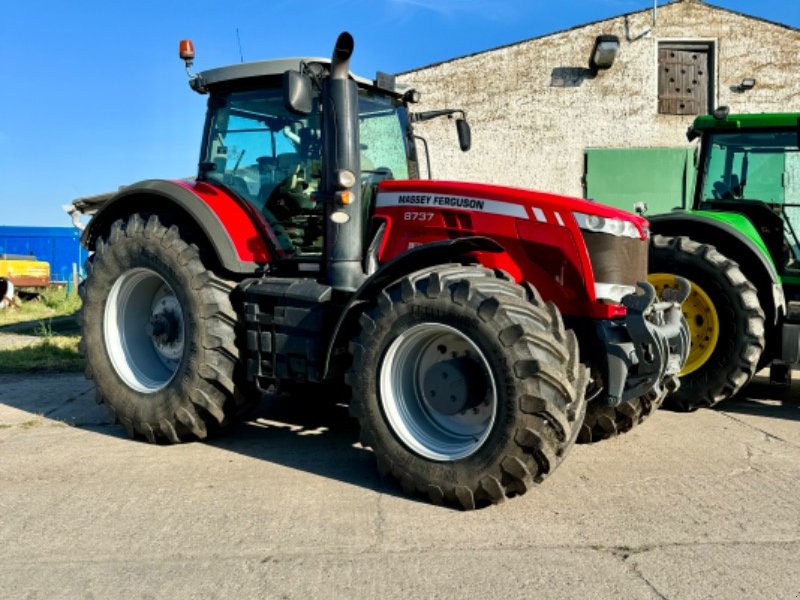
{"x":307,"y":252}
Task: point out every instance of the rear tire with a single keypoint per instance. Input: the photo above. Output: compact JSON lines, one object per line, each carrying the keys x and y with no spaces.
{"x":492,"y":348}
{"x":159,"y":334}
{"x":725,"y":318}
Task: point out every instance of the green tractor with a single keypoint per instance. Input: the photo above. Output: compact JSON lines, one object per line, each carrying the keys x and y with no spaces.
{"x":737,"y":243}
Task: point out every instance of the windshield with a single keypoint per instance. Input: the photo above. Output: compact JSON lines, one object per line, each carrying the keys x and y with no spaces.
{"x":272,"y":158}
{"x":759,"y":165}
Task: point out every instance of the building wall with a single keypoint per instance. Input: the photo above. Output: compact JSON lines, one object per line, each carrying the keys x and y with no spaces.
{"x":534,"y":106}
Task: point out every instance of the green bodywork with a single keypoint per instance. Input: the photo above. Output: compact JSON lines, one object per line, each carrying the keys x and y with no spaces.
{"x":740,"y":223}
{"x":753,"y":121}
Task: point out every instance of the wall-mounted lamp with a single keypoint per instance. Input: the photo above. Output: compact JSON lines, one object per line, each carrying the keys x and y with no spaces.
{"x":747,"y":84}
{"x":606,"y":48}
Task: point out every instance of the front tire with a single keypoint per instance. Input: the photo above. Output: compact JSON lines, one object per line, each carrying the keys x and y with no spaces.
{"x":725,"y":319}
{"x":466,"y":386}
{"x":159,"y":333}
{"x":603,"y":422}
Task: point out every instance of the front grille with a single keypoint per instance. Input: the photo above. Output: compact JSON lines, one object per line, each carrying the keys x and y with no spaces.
{"x":620,"y":260}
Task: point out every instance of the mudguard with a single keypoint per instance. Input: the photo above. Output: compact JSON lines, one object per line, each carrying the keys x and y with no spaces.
{"x":232,"y":228}
{"x":435,"y":253}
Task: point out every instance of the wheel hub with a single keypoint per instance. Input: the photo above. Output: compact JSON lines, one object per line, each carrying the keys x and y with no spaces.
{"x":454,"y":386}
{"x":166,"y":328}
{"x":702,"y":317}
{"x":437,"y":392}
{"x":144,"y":330}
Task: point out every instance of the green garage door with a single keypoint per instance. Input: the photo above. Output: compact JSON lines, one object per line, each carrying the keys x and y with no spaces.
{"x":663,"y":178}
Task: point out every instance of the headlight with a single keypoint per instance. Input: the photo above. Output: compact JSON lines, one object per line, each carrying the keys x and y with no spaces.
{"x":345,"y":179}
{"x":608,"y":225}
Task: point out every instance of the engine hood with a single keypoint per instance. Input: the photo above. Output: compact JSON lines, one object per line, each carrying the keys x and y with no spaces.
{"x":497,"y":200}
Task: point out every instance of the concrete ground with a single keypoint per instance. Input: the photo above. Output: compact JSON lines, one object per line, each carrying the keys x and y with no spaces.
{"x":703,"y":505}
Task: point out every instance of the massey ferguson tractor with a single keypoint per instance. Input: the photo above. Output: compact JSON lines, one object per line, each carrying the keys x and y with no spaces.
{"x":480,"y":329}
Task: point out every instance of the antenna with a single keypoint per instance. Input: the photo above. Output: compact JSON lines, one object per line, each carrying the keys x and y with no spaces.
{"x":239,"y":41}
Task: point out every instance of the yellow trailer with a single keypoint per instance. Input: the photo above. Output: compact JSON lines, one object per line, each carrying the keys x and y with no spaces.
{"x":25,"y":271}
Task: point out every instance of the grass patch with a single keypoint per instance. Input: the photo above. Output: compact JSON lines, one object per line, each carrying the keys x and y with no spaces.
{"x":55,"y":353}
{"x":53,"y":302}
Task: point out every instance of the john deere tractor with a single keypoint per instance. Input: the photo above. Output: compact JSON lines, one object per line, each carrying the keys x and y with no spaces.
{"x":307,"y":252}
{"x":738,"y":246}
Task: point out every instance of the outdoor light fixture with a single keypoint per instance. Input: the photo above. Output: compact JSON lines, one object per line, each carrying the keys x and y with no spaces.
{"x":606,"y":48}
{"x":747,"y":84}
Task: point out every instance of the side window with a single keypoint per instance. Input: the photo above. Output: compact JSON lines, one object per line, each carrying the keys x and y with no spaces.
{"x":684,"y":78}
{"x":271,"y":159}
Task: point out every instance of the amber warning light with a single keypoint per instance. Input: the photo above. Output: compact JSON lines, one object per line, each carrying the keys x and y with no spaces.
{"x":186,"y":51}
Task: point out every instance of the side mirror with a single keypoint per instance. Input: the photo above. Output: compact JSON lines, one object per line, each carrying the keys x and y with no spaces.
{"x":297,"y":92}
{"x":464,"y":134}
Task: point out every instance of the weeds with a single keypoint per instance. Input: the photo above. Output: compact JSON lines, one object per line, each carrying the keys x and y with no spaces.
{"x":53,"y":302}
{"x":53,"y":353}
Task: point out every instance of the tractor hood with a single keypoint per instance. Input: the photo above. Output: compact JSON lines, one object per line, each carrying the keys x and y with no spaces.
{"x":494,"y":200}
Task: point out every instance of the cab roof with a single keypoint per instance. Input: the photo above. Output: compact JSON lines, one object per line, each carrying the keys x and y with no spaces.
{"x":748,"y":121}
{"x":261,"y":68}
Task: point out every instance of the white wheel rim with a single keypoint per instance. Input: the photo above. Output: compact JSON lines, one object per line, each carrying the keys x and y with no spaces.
{"x":144,"y":330}
{"x":428,"y":372}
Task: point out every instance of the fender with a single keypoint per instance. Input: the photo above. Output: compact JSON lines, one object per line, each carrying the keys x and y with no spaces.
{"x":427,"y":255}
{"x":231,"y":229}
{"x":753,"y":259}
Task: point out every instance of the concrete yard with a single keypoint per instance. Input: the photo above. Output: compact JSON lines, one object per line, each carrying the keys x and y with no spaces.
{"x":287,"y":505}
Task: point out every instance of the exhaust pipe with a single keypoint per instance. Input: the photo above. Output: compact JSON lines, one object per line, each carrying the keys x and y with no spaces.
{"x":344,"y":229}
{"x":342,"y":51}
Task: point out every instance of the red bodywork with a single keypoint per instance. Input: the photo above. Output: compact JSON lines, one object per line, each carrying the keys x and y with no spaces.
{"x":542,"y":241}
{"x":245,"y":226}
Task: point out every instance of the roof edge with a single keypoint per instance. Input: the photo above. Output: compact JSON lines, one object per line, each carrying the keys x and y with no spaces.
{"x":575,"y":27}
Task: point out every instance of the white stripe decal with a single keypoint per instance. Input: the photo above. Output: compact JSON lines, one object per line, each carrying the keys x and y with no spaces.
{"x":539,"y":214}
{"x":418,"y":200}
{"x":559,"y":219}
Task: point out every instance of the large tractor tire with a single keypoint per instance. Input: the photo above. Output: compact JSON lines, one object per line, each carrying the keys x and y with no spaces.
{"x":725,"y":319}
{"x":465,"y":385}
{"x":603,"y":422}
{"x":159,"y":334}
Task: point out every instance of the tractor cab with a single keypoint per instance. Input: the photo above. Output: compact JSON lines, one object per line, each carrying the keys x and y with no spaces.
{"x":272,"y":156}
{"x":750,"y":165}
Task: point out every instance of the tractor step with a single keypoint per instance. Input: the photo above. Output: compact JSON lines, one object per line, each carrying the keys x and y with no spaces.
{"x":285,"y":321}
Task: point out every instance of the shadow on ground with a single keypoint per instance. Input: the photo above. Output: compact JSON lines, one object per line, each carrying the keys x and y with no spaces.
{"x":763,"y":399}
{"x":313,"y":435}
{"x":66,"y":325}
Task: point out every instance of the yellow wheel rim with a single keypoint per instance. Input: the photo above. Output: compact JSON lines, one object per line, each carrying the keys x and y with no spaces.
{"x":702,"y":317}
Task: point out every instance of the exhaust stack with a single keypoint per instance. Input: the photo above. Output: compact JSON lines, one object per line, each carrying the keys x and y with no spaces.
{"x":342,"y":51}
{"x":344,"y":226}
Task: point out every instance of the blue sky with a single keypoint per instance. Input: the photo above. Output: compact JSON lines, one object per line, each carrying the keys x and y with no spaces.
{"x":93,"y":95}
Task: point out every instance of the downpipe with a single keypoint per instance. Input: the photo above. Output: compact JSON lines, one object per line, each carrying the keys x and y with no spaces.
{"x":646,"y":351}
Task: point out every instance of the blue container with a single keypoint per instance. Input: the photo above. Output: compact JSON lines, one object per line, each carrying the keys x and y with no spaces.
{"x":60,"y":246}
